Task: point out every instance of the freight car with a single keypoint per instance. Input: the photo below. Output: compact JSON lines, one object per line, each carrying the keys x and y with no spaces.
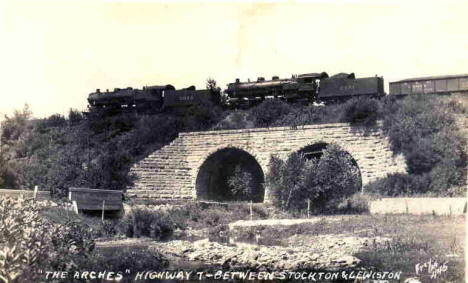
{"x":430,"y":85}
{"x":343,"y":86}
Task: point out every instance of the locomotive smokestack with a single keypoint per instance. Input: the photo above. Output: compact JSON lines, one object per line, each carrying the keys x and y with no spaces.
{"x":237,"y":81}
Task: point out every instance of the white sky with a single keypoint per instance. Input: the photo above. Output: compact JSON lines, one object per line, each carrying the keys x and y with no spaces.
{"x":54,"y":53}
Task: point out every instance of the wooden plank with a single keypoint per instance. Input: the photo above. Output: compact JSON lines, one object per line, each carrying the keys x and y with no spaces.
{"x":92,"y":199}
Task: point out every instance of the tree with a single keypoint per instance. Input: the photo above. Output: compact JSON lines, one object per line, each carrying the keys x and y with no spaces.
{"x":215,"y":90}
{"x":241,"y":184}
{"x":13,"y":128}
{"x":324,"y":182}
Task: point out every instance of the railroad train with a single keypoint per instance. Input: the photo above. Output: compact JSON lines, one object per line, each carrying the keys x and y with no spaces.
{"x":304,"y":88}
{"x":149,"y":99}
{"x":430,"y":85}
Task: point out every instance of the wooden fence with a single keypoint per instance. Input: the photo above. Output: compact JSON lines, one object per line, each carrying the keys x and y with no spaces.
{"x":36,"y":194}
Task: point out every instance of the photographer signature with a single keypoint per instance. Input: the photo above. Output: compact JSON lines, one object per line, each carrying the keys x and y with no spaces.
{"x":431,"y":267}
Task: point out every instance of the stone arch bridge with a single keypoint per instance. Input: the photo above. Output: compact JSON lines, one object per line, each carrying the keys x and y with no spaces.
{"x":192,"y":165}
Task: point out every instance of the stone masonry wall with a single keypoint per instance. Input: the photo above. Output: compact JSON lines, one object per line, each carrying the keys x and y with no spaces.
{"x":170,"y":174}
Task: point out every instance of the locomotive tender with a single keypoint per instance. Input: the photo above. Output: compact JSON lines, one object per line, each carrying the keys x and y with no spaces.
{"x":304,"y":88}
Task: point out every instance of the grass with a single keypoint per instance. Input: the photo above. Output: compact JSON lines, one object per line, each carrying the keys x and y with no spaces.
{"x":418,"y":239}
{"x":210,"y":219}
{"x":415,"y":240}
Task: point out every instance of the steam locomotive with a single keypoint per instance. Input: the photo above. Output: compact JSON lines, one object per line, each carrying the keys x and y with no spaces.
{"x":312,"y":87}
{"x":149,"y":99}
{"x":304,"y":88}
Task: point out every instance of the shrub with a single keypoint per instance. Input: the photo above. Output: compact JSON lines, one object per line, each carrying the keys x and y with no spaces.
{"x":423,"y":129}
{"x":126,"y":258}
{"x":154,"y":224}
{"x":355,"y":204}
{"x":324,"y":182}
{"x":400,"y":184}
{"x":241,"y":184}
{"x":29,"y":243}
{"x":305,"y":115}
{"x":267,"y":112}
{"x":235,"y":120}
{"x":360,"y":110}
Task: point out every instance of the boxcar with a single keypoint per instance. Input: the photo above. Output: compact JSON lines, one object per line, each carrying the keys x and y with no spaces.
{"x":430,"y":85}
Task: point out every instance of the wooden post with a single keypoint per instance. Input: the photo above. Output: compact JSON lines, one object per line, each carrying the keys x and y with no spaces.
{"x":251,"y":211}
{"x":103,"y":207}
{"x":75,"y":206}
{"x":308,"y":208}
{"x":35,"y":192}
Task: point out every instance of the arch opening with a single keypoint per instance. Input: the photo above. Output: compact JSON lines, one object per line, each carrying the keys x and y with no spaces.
{"x":214,"y":178}
{"x":314,"y":151}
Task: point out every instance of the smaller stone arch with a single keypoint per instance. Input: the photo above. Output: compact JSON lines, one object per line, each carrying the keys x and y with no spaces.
{"x":211,"y":180}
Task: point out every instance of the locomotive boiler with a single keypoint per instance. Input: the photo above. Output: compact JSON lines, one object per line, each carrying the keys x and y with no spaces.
{"x":147,"y":99}
{"x":301,"y":88}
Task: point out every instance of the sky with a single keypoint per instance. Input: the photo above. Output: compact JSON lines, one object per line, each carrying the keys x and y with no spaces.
{"x":54,"y":53}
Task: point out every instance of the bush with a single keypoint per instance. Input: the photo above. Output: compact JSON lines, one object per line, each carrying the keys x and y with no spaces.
{"x":267,"y":112}
{"x":423,"y":128}
{"x":400,"y":184}
{"x":154,"y":224}
{"x":306,"y":115}
{"x":324,"y":182}
{"x":126,"y":258}
{"x":355,"y":204}
{"x":30,"y":243}
{"x":240,"y":184}
{"x":235,"y":120}
{"x":360,"y":110}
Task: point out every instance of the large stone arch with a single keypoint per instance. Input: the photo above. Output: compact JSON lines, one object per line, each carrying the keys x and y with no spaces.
{"x":214,"y":169}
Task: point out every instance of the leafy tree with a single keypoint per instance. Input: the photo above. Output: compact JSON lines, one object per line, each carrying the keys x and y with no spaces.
{"x":324,"y":182}
{"x":241,"y":184}
{"x":215,"y":90}
{"x":74,"y":117}
{"x":14,"y":128}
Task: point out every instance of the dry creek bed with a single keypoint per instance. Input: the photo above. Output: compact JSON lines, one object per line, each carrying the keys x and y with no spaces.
{"x":321,"y":252}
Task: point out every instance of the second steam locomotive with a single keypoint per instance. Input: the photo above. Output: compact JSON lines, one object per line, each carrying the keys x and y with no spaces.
{"x":304,"y":88}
